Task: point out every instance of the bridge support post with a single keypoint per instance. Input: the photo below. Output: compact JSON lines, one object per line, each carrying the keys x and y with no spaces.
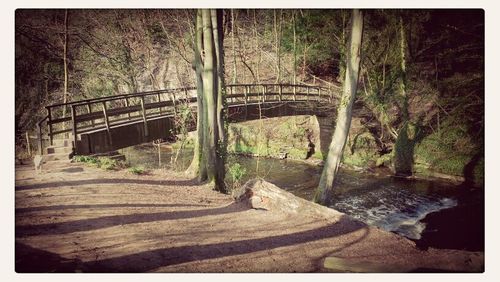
{"x":106,"y":121}
{"x":294,"y":93}
{"x":263,"y":93}
{"x":280,"y":92}
{"x":39,"y":137}
{"x":89,"y":110}
{"x":127,"y":105}
{"x":49,"y":122}
{"x":307,"y":94}
{"x":173,"y":102}
{"x":74,"y":128}
{"x":159,"y":101}
{"x":143,"y":109}
{"x":246,"y":94}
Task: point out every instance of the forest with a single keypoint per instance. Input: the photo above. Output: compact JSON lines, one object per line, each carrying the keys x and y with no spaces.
{"x":405,"y":99}
{"x":68,"y":55}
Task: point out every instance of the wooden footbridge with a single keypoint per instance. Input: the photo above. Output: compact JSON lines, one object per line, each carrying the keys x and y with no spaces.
{"x":105,"y":124}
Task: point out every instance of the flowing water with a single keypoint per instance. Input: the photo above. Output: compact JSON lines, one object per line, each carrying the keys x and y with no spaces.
{"x":433,"y":213}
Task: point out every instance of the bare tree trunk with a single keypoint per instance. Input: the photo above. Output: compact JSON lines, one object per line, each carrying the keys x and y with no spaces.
{"x":304,"y":63}
{"x":277,"y":32}
{"x":221,"y":144}
{"x":294,"y":49}
{"x":209,"y":154}
{"x":257,"y":48}
{"x":65,"y":61}
{"x":325,"y":189}
{"x":403,"y":147}
{"x":209,"y":77}
{"x":235,"y":69}
{"x":402,"y":50}
{"x":198,"y":165}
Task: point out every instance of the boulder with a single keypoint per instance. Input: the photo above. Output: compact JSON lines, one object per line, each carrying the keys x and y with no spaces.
{"x":260,"y":194}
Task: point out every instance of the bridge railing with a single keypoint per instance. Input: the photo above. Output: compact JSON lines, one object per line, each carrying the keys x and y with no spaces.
{"x":106,"y":112}
{"x":261,"y":93}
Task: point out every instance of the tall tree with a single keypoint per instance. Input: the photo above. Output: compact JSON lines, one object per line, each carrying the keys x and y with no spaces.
{"x":210,"y":83}
{"x":403,"y":147}
{"x":198,"y":165}
{"x":324,"y":191}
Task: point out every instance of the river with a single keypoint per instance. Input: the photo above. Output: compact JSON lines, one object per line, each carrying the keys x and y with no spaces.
{"x":431,"y":212}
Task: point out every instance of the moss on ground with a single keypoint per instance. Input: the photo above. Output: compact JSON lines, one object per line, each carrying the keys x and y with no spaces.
{"x":450,"y":151}
{"x":361,"y":150}
{"x":274,"y":137}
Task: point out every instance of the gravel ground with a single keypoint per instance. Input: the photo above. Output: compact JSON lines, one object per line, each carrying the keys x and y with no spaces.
{"x":75,"y":218}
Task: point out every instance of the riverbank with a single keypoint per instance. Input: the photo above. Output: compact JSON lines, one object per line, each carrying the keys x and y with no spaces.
{"x":75,"y":218}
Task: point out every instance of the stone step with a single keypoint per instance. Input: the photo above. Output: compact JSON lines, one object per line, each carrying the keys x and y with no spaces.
{"x":56,"y":156}
{"x":58,"y":149}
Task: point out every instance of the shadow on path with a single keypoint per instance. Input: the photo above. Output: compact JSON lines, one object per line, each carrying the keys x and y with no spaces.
{"x":115,"y":220}
{"x":190,"y":182}
{"x":130,"y":205}
{"x":33,"y":260}
{"x":150,"y":260}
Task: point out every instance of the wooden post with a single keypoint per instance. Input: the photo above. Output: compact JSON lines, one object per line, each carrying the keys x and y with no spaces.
{"x":294,"y":93}
{"x":144,"y":118}
{"x":51,"y":138}
{"x":127,"y":105}
{"x":28,"y":146}
{"x":263,"y":93}
{"x":159,"y":101}
{"x":89,"y":109}
{"x":74,"y":124}
{"x":280,"y":90}
{"x":173,"y":102}
{"x":307,"y":96}
{"x":246,"y":94}
{"x":40,"y":141}
{"x":106,"y":121}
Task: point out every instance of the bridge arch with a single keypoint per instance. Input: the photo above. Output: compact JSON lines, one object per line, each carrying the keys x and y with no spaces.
{"x":106,"y":124}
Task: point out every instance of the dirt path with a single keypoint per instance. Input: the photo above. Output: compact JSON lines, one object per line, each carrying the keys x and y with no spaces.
{"x":73,"y":218}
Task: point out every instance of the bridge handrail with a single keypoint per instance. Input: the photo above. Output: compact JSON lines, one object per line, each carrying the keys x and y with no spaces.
{"x":121,"y":96}
{"x":163,"y":91}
